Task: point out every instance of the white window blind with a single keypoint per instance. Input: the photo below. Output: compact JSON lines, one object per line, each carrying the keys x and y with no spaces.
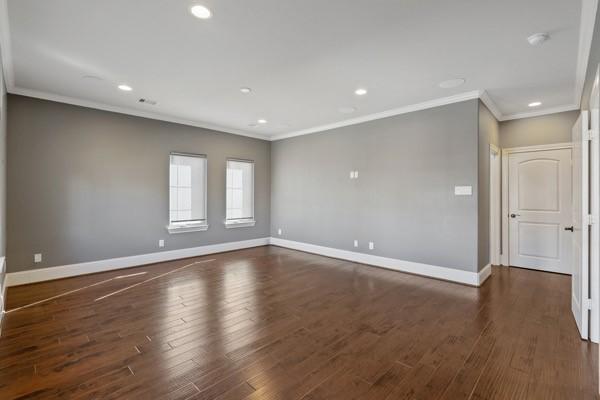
{"x":187,"y":190}
{"x":240,"y":190}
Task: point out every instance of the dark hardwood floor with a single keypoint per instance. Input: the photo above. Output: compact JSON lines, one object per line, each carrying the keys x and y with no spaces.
{"x":272,"y":323}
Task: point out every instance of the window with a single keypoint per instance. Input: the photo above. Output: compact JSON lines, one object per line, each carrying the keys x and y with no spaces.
{"x":187,"y":193}
{"x":240,"y":193}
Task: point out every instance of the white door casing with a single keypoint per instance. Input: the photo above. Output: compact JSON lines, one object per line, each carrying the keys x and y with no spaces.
{"x":539,"y":204}
{"x":580,"y":235}
{"x":594,"y":106}
{"x":495,"y":212}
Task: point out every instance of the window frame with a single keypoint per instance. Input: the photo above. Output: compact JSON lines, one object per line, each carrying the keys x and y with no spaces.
{"x":196,"y":225}
{"x":241,"y":222}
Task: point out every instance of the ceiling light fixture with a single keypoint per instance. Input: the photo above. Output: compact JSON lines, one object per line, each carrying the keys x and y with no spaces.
{"x":360,"y":92}
{"x":125,"y":88}
{"x":452,"y":83}
{"x":538,"y":38}
{"x":200,"y":11}
{"x":245,"y":90}
{"x":262,"y":121}
{"x":535,"y":104}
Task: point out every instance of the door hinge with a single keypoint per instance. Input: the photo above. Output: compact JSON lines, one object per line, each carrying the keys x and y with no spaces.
{"x":590,"y":135}
{"x":591,"y":219}
{"x":587,"y":304}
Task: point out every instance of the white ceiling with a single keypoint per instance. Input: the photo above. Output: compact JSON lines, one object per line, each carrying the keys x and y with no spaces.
{"x":303,"y":59}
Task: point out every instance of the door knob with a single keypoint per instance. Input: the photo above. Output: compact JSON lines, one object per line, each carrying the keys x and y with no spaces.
{"x":515,"y":215}
{"x":570,"y":228}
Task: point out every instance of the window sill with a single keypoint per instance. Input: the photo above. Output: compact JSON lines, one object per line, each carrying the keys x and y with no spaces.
{"x":239,"y":224}
{"x":187,"y":228}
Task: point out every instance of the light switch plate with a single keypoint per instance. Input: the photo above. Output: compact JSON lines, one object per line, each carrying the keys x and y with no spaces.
{"x":37,"y":258}
{"x":356,"y":243}
{"x":371,"y":245}
{"x":463,"y":190}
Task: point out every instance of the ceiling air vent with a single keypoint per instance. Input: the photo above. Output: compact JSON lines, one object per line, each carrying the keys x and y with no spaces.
{"x":147,"y":101}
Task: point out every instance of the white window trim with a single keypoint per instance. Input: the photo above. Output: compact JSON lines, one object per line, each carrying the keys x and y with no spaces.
{"x":187,"y":227}
{"x":239,"y":223}
{"x":242,"y":222}
{"x":192,"y":226}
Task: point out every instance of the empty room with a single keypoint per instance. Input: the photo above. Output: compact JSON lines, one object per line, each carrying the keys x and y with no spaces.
{"x":299,"y":200}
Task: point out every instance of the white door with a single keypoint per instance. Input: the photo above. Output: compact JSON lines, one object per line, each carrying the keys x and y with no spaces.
{"x":580,"y":280}
{"x":539,"y":204}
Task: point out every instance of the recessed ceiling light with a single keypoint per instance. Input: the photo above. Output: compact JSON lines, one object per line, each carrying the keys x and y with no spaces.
{"x":262,"y":121}
{"x":538,"y":38}
{"x":245,"y":90}
{"x":535,"y":104}
{"x":452,"y":83}
{"x":347,"y":110}
{"x":360,"y":92}
{"x":125,"y":88}
{"x":200,"y":11}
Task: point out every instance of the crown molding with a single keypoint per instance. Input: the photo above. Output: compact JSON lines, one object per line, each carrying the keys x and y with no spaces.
{"x":129,"y":111}
{"x":490,"y":104}
{"x":385,"y":114}
{"x":539,"y":113}
{"x":588,"y":13}
{"x":589,"y":9}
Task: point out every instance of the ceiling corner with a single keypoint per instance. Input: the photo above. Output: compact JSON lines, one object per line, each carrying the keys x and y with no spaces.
{"x":5,"y":47}
{"x":589,"y":9}
{"x":491,"y":105}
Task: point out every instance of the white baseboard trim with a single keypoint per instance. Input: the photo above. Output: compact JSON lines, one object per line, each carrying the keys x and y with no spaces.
{"x":485,"y":273}
{"x":430,"y":271}
{"x":66,"y":271}
{"x":2,"y":290}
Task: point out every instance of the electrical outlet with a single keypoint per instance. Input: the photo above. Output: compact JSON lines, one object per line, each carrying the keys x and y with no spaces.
{"x":371,"y":245}
{"x":356,"y":243}
{"x":279,"y":231}
{"x":37,"y":258}
{"x":161,"y":243}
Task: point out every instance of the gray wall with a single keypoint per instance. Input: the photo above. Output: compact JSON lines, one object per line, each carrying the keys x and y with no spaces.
{"x":593,"y":62}
{"x":89,"y":185}
{"x":404,"y":198}
{"x":489,"y":132}
{"x":546,"y":129}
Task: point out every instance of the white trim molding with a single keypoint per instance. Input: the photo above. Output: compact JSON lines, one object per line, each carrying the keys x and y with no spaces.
{"x":385,"y":114}
{"x":2,"y":290}
{"x":430,"y":271}
{"x":491,"y":105}
{"x":539,"y":113}
{"x":185,"y":228}
{"x":588,"y":13}
{"x":128,"y":111}
{"x":66,"y":271}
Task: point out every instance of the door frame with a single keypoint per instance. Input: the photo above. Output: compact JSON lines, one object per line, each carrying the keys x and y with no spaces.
{"x":505,"y":258}
{"x":495,"y":201}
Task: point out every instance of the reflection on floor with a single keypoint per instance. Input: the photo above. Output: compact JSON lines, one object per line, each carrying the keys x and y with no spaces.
{"x":272,"y":323}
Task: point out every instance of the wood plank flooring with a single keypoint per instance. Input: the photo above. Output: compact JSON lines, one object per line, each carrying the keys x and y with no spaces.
{"x":273,"y":323}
